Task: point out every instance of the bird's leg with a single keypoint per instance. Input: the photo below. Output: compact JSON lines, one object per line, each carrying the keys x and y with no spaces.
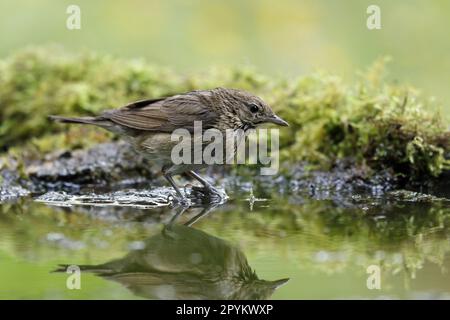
{"x":181,"y":198}
{"x":169,"y":225}
{"x":208,"y":188}
{"x":177,"y":214}
{"x":205,"y":211}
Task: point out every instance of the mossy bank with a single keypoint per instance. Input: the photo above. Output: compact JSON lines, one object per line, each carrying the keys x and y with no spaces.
{"x":376,"y":124}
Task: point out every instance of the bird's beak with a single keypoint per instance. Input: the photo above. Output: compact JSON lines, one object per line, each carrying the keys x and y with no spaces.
{"x":277,"y":120}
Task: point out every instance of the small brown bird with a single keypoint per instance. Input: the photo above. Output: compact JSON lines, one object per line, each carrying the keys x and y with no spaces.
{"x":148,"y":125}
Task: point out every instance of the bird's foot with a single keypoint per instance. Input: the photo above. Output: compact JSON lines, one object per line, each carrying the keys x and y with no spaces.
{"x":209,"y":193}
{"x":181,"y":201}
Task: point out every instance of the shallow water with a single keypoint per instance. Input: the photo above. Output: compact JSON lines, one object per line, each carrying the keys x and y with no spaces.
{"x":235,"y":250}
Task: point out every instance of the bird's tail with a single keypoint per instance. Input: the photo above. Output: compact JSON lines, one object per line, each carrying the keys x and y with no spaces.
{"x":82,"y":120}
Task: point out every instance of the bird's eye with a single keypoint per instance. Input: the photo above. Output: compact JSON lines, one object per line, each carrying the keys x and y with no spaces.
{"x":253,"y":108}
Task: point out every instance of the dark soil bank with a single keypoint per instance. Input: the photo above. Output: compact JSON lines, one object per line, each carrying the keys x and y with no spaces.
{"x":111,"y":166}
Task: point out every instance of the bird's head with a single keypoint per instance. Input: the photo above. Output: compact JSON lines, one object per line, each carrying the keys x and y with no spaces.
{"x":251,"y":110}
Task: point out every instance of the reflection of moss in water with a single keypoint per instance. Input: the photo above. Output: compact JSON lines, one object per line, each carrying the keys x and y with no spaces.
{"x":378,"y":124}
{"x":315,"y":235}
{"x":331,"y":239}
{"x":41,"y":232}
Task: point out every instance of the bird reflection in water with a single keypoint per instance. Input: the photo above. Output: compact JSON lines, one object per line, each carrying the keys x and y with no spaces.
{"x":182,"y":262}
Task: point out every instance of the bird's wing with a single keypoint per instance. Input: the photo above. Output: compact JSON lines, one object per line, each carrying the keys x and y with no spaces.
{"x":165,"y":114}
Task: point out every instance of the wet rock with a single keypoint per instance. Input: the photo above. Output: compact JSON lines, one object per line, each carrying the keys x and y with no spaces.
{"x":102,"y":164}
{"x":344,"y":177}
{"x":133,"y":198}
{"x":10,"y":188}
{"x":438,"y":187}
{"x":143,"y":199}
{"x":106,"y":164}
{"x":412,"y":196}
{"x":12,"y":192}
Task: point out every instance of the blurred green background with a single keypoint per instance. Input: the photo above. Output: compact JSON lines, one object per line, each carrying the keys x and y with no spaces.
{"x":282,"y":38}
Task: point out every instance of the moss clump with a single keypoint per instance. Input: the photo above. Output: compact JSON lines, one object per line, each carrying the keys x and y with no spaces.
{"x":377,"y":124}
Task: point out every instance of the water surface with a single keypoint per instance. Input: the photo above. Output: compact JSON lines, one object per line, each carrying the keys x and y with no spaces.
{"x":243,"y":249}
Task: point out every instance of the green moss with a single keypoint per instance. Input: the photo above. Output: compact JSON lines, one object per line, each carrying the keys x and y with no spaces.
{"x":379,"y":125}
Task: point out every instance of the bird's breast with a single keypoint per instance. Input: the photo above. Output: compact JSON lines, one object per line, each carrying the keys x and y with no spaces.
{"x":192,"y":148}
